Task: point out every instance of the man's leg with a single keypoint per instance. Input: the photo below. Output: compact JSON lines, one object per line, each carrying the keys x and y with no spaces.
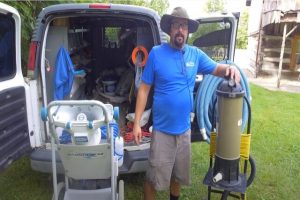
{"x":174,"y":190}
{"x":161,"y":161}
{"x":181,"y":170}
{"x":149,"y":191}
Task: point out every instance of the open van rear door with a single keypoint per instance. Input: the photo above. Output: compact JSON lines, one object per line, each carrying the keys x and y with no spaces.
{"x":14,"y":128}
{"x":216,"y":35}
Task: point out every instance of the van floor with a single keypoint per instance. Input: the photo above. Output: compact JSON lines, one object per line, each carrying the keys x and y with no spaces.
{"x":125,"y":126}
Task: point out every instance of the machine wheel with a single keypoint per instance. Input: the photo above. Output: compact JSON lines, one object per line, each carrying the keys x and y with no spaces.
{"x":121,"y":190}
{"x":60,"y":190}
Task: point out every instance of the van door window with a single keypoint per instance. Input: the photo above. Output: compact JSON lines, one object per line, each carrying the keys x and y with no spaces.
{"x":7,"y":46}
{"x":214,"y":39}
{"x":111,"y":39}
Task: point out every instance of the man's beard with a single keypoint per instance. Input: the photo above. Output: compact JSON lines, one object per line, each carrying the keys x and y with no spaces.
{"x":180,"y":43}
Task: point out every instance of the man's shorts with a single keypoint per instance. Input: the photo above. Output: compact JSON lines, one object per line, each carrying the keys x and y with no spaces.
{"x":170,"y":158}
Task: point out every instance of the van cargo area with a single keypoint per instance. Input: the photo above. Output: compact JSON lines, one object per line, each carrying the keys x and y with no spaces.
{"x":100,"y":49}
{"x":100,"y":46}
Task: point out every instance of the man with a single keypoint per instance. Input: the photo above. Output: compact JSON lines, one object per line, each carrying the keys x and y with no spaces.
{"x":171,"y":69}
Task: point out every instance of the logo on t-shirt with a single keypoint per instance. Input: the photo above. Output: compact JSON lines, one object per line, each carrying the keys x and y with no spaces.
{"x":190,"y":64}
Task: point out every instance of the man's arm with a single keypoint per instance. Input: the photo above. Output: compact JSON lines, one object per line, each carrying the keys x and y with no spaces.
{"x":224,"y":70}
{"x":139,"y":109}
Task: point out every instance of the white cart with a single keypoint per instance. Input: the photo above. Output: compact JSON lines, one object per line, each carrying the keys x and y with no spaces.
{"x":85,"y":157}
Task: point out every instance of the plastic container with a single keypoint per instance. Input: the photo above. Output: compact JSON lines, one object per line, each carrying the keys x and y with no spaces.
{"x":119,"y":150}
{"x":109,"y":87}
{"x":85,"y":135}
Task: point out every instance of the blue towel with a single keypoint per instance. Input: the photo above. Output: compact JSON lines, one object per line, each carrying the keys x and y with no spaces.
{"x":63,"y":75}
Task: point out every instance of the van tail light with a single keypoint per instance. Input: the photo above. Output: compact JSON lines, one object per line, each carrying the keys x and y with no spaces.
{"x":99,"y":6}
{"x":32,"y":56}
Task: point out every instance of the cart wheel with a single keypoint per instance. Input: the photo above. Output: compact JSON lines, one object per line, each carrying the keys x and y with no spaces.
{"x":121,"y":190}
{"x":61,"y":191}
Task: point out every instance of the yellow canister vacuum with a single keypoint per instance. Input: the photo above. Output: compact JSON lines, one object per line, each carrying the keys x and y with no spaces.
{"x":229,"y":149}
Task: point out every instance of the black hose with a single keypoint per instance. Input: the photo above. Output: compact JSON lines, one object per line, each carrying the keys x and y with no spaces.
{"x":253,"y":171}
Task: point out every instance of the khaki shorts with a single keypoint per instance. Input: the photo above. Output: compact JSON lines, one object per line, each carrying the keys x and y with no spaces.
{"x":170,"y":158}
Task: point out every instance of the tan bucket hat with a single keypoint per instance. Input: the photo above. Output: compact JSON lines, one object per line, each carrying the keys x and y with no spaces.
{"x":179,"y":13}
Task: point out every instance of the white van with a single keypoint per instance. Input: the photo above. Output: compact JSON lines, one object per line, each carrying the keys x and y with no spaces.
{"x":100,"y":40}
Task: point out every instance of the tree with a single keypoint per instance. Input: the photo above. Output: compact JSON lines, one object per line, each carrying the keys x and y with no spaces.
{"x":242,"y":37}
{"x":159,"y":5}
{"x":214,"y":6}
{"x":28,"y":11}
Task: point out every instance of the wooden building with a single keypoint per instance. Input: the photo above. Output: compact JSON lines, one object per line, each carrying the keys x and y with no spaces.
{"x":274,"y":37}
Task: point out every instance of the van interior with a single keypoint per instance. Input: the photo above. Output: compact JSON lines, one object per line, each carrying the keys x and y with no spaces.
{"x":100,"y":49}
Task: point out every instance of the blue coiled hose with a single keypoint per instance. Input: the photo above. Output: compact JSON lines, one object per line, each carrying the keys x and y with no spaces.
{"x":206,"y":96}
{"x":115,"y":130}
{"x":115,"y":127}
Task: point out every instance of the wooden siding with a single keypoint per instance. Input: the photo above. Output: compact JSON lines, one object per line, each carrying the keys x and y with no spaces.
{"x":264,"y":43}
{"x":278,"y":11}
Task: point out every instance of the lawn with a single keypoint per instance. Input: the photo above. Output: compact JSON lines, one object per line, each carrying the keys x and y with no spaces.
{"x":275,"y":146}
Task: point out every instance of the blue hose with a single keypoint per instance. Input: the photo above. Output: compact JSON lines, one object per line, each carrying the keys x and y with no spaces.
{"x":115,"y":130}
{"x":206,"y":96}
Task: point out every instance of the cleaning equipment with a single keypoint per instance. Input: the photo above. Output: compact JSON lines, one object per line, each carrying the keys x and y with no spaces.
{"x":118,"y":141}
{"x":109,"y":87}
{"x":139,"y":57}
{"x":205,"y":98}
{"x":119,"y":150}
{"x":228,"y":146}
{"x":83,"y":137}
{"x":87,"y":158}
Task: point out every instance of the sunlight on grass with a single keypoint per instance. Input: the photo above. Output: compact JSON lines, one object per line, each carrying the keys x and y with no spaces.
{"x":275,"y":146}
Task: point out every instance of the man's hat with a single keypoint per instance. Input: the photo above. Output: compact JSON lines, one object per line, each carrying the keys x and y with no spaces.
{"x":177,"y":13}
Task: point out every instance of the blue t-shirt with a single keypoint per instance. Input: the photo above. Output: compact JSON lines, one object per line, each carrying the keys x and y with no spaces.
{"x":172,"y":72}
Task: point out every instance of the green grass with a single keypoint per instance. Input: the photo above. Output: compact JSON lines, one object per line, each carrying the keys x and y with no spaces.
{"x":19,"y":182}
{"x":275,"y":146}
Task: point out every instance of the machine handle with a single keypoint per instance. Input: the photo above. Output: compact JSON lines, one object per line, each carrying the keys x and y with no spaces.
{"x":54,"y":107}
{"x":82,"y":102}
{"x":231,"y":82}
{"x":93,"y":125}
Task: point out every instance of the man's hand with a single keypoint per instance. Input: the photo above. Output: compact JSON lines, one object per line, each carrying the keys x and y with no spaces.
{"x":227,"y":71}
{"x":233,"y":73}
{"x":137,"y":132}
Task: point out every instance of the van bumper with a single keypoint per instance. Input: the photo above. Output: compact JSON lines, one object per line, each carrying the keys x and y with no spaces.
{"x":134,"y":161}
